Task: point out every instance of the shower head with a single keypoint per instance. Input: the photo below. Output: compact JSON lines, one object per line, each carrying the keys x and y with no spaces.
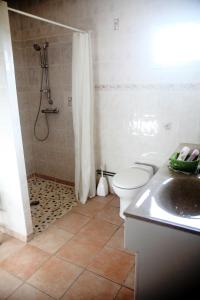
{"x":46,"y":44}
{"x":36,"y":47}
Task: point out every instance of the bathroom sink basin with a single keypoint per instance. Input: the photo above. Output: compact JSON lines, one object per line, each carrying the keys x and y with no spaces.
{"x":180,"y":197}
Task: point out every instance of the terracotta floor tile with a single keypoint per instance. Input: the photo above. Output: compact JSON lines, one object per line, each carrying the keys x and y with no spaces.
{"x":25,"y":261}
{"x":106,"y":199}
{"x":72,"y":222}
{"x":98,"y":231}
{"x":9,"y":246}
{"x":92,"y":287}
{"x":112,"y":264}
{"x":8,"y":283}
{"x":27,"y":292}
{"x":129,"y":281}
{"x":79,"y":251}
{"x":115,"y":202}
{"x":110,"y":214}
{"x":55,"y":276}
{"x":125,"y":294}
{"x":92,"y":207}
{"x":51,"y":239}
{"x":117,"y":241}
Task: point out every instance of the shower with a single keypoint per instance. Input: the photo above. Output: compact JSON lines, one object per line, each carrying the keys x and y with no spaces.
{"x":44,"y":89}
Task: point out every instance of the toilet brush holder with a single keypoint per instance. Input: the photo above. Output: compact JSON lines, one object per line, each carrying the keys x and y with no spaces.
{"x":102,"y":188}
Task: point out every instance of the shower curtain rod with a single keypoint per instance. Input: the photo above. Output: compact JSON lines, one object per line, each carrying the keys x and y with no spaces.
{"x":45,"y":20}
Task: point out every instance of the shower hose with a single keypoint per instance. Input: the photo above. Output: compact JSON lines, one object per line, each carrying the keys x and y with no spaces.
{"x":44,"y":65}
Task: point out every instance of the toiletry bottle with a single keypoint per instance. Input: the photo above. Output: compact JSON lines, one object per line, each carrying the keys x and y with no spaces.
{"x":194,"y":155}
{"x":183,"y":153}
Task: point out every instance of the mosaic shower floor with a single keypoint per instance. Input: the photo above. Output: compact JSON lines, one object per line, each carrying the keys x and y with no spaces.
{"x":55,"y":200}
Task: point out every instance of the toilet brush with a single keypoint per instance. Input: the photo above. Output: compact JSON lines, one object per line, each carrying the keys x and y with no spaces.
{"x":102,"y":188}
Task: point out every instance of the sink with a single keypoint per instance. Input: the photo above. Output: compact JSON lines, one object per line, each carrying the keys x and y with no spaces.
{"x":180,"y":196}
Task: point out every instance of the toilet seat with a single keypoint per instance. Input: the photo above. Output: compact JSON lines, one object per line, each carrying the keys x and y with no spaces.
{"x":133,"y":177}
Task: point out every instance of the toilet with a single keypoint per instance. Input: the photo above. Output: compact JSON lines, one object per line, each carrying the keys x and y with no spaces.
{"x":128,"y":182}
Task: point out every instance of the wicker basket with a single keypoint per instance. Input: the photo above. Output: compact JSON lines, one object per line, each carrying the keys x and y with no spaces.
{"x":185,"y":166}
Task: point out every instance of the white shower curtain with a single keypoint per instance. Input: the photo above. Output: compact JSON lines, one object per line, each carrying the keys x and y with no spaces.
{"x":82,"y":107}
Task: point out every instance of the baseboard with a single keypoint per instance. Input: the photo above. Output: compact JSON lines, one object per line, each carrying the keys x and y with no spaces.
{"x":19,"y":236}
{"x":55,"y":179}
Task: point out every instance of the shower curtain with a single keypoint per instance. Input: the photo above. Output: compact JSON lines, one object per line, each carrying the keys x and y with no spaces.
{"x":82,"y":109}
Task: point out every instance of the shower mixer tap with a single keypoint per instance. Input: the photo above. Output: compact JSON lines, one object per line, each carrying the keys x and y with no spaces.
{"x":50,"y":111}
{"x":44,"y":90}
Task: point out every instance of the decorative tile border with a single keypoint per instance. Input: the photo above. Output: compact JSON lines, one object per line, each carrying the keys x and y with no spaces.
{"x":132,"y":86}
{"x":51,"y":178}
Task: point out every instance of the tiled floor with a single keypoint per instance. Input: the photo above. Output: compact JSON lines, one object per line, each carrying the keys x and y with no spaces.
{"x":79,"y":257}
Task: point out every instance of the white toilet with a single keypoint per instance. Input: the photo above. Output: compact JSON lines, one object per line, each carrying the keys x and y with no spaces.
{"x":128,"y":182}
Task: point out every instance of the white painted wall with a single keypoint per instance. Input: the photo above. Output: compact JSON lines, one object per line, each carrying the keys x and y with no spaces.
{"x":14,"y":200}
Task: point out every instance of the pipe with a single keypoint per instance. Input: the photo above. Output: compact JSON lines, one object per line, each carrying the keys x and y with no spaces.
{"x":45,"y":20}
{"x":107,"y":173}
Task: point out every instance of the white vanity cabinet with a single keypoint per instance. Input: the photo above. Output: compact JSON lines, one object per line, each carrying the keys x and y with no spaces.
{"x":167,"y":260}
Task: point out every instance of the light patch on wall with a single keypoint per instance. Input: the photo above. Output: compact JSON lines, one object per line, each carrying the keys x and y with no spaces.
{"x":177,"y":44}
{"x":146,"y":125}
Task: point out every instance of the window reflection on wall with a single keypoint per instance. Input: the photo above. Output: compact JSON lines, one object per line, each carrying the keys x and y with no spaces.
{"x":177,"y":44}
{"x":145,"y":125}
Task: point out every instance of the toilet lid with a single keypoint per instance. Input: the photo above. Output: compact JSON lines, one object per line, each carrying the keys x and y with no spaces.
{"x":131,"y":178}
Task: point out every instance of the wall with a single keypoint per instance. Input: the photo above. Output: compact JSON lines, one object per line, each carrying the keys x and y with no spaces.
{"x":143,"y":111}
{"x":15,"y":215}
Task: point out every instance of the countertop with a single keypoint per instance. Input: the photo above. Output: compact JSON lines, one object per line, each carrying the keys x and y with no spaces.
{"x":148,"y":203}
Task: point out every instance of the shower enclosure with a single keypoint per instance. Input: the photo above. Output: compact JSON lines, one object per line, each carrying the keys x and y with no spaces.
{"x":43,"y":80}
{"x":46,"y":151}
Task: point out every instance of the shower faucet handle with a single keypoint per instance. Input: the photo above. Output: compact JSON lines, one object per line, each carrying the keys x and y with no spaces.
{"x":50,"y":111}
{"x":45,"y":90}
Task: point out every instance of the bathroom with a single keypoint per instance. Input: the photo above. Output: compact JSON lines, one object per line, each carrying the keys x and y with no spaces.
{"x":146,"y":103}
